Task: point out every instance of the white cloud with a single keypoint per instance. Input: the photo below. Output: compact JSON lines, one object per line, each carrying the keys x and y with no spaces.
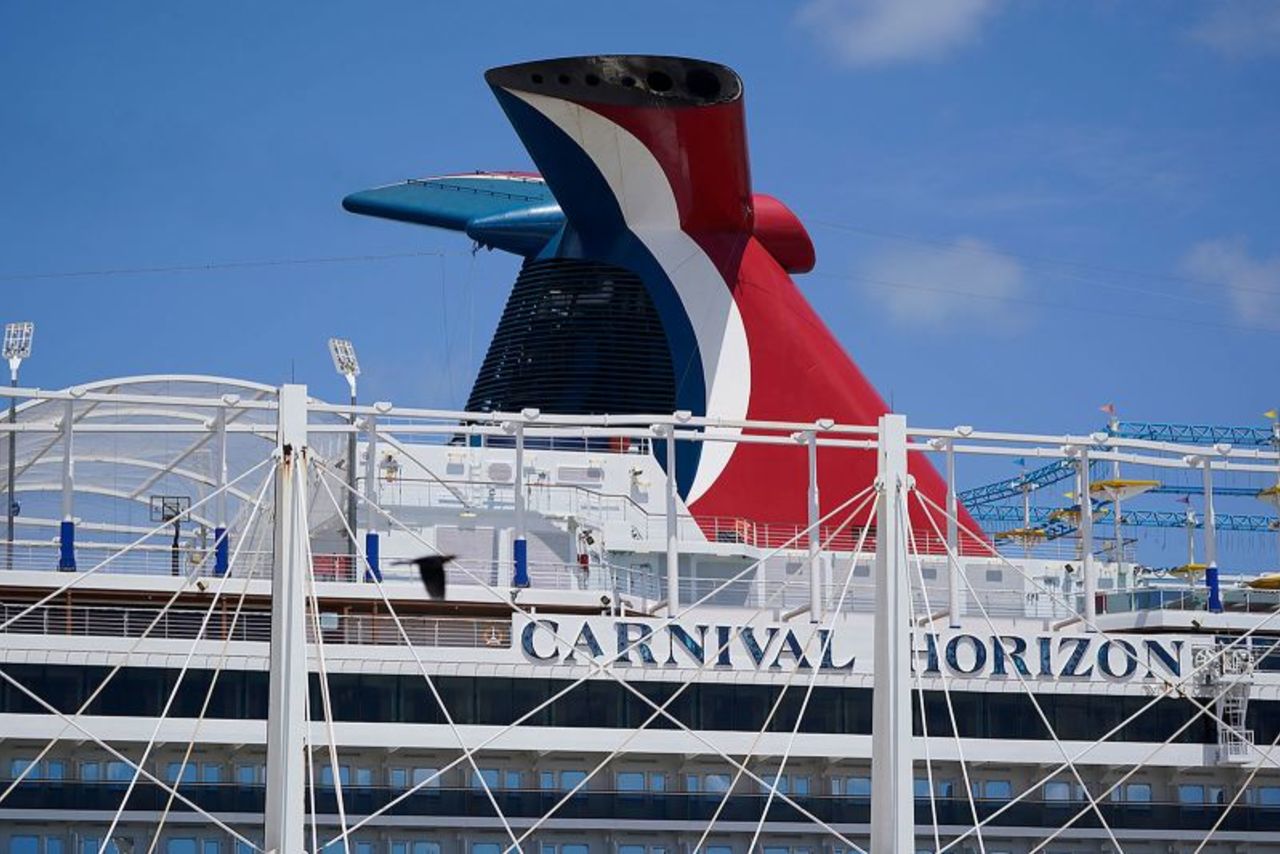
{"x":881,"y":32}
{"x":967,"y":283}
{"x":1251,"y":286}
{"x":1241,"y":29}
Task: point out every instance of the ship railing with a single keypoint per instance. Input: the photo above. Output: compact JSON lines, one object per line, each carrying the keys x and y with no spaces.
{"x":251,"y":625}
{"x":1189,"y":598}
{"x":142,"y":559}
{"x":653,"y":810}
{"x":782,"y":595}
{"x":595,"y":507}
{"x":1063,"y":548}
{"x":328,"y":567}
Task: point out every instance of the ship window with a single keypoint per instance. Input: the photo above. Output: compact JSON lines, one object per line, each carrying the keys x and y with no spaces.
{"x":929,"y":573}
{"x":246,"y":775}
{"x":18,"y":766}
{"x":52,"y":845}
{"x":862,"y":570}
{"x":719,"y":849}
{"x":630,"y":781}
{"x":546,"y":780}
{"x":569,"y":779}
{"x":1191,"y":793}
{"x":420,"y":774}
{"x":485,"y":848}
{"x":857,"y":787}
{"x":1138,"y":793}
{"x":511,"y":779}
{"x":326,"y":775}
{"x":211,"y":846}
{"x":55,"y":769}
{"x":173,"y":769}
{"x":24,"y":845}
{"x":119,"y":772}
{"x":1057,"y":790}
{"x":1268,"y":796}
{"x":180,"y":845}
{"x":489,"y":776}
{"x":91,"y":772}
{"x":997,"y":789}
{"x":717,"y":782}
{"x":574,"y":848}
{"x":211,"y":772}
{"x":995,"y":575}
{"x":631,"y":849}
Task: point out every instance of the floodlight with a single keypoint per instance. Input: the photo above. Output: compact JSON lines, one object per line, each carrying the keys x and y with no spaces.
{"x":17,"y":343}
{"x":166,"y":508}
{"x":345,"y":363}
{"x":344,"y":360}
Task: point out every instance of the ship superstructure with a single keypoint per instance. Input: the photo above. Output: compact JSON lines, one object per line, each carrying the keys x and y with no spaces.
{"x":709,"y":594}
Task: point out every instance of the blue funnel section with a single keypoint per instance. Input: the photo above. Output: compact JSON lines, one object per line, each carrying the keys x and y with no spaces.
{"x":502,"y":210}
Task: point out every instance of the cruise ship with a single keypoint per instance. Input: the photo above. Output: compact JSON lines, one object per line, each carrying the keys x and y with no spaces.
{"x":703,"y":591}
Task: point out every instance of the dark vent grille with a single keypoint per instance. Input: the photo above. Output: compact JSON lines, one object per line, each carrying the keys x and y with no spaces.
{"x":577,"y":338}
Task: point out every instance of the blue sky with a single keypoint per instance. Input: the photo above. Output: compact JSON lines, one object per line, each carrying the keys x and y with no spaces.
{"x":1022,"y":209}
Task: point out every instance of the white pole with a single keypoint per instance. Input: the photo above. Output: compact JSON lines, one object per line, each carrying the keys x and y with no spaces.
{"x":1210,"y":522}
{"x":892,"y":803}
{"x":1210,"y":540}
{"x":286,"y":711}
{"x":815,"y":558}
{"x":954,"y":607}
{"x":520,"y":547}
{"x":371,"y":472}
{"x":221,"y":549}
{"x":10,"y":494}
{"x":1191,"y":537}
{"x":67,"y":531}
{"x":68,"y":466}
{"x":220,"y":467}
{"x":372,"y":548}
{"x":673,"y":525}
{"x":1086,"y":545}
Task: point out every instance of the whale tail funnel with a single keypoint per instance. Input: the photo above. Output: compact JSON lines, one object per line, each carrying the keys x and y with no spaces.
{"x":643,"y":195}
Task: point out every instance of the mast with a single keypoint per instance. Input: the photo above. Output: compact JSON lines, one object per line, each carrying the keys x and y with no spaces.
{"x":892,"y":802}
{"x":286,"y":712}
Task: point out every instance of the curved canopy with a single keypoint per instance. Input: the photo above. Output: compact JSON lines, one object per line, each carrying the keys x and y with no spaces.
{"x":130,"y":453}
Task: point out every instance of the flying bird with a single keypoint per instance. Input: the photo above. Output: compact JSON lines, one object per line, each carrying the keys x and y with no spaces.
{"x":432,"y":569}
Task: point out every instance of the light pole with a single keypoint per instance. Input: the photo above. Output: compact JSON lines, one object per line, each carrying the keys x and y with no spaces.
{"x":171,"y":508}
{"x":17,"y":346}
{"x":345,"y":363}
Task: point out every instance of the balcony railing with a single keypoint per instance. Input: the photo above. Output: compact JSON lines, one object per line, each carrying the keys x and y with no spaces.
{"x":252,"y":626}
{"x":658,"y":807}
